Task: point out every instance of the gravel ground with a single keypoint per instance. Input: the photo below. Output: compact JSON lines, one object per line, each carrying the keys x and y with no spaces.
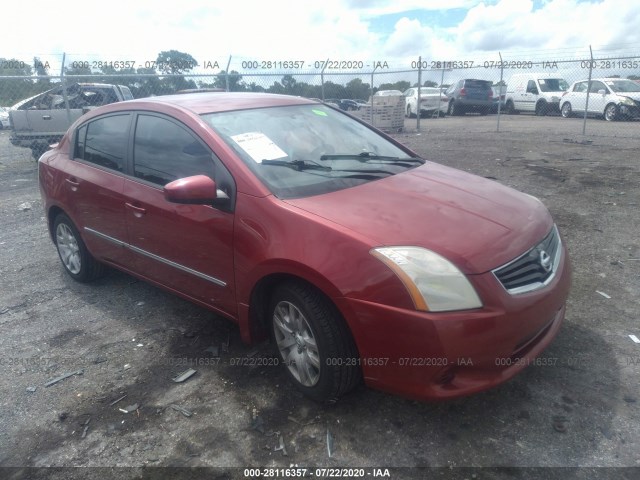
{"x":577,"y":407}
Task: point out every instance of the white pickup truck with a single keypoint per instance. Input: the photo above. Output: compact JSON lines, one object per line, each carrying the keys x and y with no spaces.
{"x":43,"y":119}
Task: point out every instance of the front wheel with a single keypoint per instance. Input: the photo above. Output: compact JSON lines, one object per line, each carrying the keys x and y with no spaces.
{"x":75,"y":257}
{"x":510,"y":108}
{"x":565,"y":111}
{"x":314,"y":342}
{"x":541,"y":109}
{"x":611,"y":113}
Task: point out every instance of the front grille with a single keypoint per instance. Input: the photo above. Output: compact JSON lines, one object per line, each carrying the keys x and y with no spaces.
{"x":534,"y":269}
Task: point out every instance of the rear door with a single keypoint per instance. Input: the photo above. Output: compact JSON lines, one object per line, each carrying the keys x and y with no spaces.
{"x":188,"y":248}
{"x":93,"y":182}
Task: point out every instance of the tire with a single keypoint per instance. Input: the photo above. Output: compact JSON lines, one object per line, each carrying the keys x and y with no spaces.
{"x":541,"y":108}
{"x":314,"y":343}
{"x":611,"y":112}
{"x":510,"y":108}
{"x":409,"y":114}
{"x":566,"y":111}
{"x":455,"y":109}
{"x":484,"y":111}
{"x":75,"y":258}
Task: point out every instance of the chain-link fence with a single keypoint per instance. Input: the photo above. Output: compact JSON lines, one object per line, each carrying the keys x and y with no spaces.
{"x":535,"y":85}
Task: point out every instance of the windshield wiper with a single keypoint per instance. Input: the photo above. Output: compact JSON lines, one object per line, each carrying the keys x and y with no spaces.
{"x":298,"y":165}
{"x":366,"y":156}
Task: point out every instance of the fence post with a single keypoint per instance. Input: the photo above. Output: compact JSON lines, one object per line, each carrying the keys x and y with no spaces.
{"x":374,"y":69}
{"x":500,"y":89}
{"x":322,"y":78}
{"x":226,"y":77}
{"x":419,"y":87}
{"x":586,"y":107}
{"x":64,"y":89}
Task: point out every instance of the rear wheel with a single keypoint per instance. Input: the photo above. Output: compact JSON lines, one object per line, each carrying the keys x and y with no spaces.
{"x":455,"y":109}
{"x":410,"y":113}
{"x":565,"y":111}
{"x":611,"y":113}
{"x":75,"y":257}
{"x":314,"y":342}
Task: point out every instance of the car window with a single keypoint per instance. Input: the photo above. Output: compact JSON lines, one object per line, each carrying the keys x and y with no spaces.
{"x":531,"y":87}
{"x":164,"y":151}
{"x":580,"y":87}
{"x":552,"y":85}
{"x":104,"y":141}
{"x":479,"y":84}
{"x":623,"y":86}
{"x":595,"y":86}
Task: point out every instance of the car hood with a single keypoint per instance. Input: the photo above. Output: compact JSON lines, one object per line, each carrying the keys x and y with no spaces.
{"x":634,"y":95}
{"x":476,"y":223}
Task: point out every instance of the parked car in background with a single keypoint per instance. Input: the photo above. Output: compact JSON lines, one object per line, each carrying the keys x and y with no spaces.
{"x":432,"y":101}
{"x":537,"y":93}
{"x":610,"y":98}
{"x":4,"y":118}
{"x":387,"y":93}
{"x":300,"y":222}
{"x":41,"y":120}
{"x":470,"y":95}
{"x":499,"y":95}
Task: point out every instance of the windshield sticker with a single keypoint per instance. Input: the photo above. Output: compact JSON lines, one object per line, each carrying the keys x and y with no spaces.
{"x":319,"y":112}
{"x":258,"y":146}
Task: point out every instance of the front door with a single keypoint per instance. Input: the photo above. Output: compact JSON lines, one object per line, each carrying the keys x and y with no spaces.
{"x":188,"y":248}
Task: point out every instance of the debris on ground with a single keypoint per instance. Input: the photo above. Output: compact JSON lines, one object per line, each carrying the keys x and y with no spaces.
{"x":634,"y":338}
{"x":98,"y":360}
{"x":181,"y":377}
{"x":62,"y":416}
{"x":85,"y":424}
{"x":213,"y":350}
{"x":62,"y":377}
{"x":31,"y":389}
{"x":257,"y":423}
{"x":24,"y":206}
{"x":281,"y":447}
{"x":560,"y":423}
{"x":117,"y":400}
{"x":182,"y":410}
{"x":4,"y":310}
{"x":329,"y":443}
{"x":603,"y":294}
{"x":130,"y":408}
{"x":126,"y":366}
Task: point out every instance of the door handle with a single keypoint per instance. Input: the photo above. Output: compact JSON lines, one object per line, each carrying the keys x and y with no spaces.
{"x":73,"y":183}
{"x":137,"y":211}
{"x":46,"y":117}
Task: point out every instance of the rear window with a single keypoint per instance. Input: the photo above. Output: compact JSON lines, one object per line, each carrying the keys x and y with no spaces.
{"x":480,"y":84}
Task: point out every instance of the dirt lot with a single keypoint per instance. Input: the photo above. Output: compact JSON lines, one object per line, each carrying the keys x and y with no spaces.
{"x":578,"y":407}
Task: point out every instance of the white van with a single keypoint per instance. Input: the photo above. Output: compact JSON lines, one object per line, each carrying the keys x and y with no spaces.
{"x":534,"y":92}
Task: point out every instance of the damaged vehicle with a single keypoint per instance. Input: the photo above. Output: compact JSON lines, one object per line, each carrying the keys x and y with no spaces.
{"x":361,"y":260}
{"x":42,"y":120}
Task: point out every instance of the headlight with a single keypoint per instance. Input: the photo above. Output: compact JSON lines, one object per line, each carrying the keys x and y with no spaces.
{"x":627,"y":101}
{"x":434,"y":283}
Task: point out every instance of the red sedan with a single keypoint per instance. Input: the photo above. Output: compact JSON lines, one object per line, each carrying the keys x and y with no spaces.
{"x":299,"y":222}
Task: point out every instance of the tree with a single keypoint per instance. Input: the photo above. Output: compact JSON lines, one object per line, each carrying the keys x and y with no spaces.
{"x":173,"y":62}
{"x":429,"y":83}
{"x":235,"y":81}
{"x":356,"y":88}
{"x":401,"y":85}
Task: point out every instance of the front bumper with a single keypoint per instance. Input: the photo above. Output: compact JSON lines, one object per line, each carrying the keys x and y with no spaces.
{"x":630,"y":111}
{"x":437,"y":356}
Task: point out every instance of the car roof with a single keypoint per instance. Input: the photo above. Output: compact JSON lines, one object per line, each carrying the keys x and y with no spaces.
{"x":200,"y":103}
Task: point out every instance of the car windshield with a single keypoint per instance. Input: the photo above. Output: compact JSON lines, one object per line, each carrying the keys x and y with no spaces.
{"x":623,"y":86}
{"x":303,"y":150}
{"x":553,"y":84}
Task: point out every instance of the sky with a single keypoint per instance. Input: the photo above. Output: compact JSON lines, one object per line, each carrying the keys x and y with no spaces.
{"x":395,"y":32}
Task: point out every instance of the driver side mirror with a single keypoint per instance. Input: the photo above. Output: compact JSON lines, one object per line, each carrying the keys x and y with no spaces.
{"x":602,"y":92}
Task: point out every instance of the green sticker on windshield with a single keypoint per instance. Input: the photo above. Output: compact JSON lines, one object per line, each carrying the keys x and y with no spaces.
{"x":319,"y":112}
